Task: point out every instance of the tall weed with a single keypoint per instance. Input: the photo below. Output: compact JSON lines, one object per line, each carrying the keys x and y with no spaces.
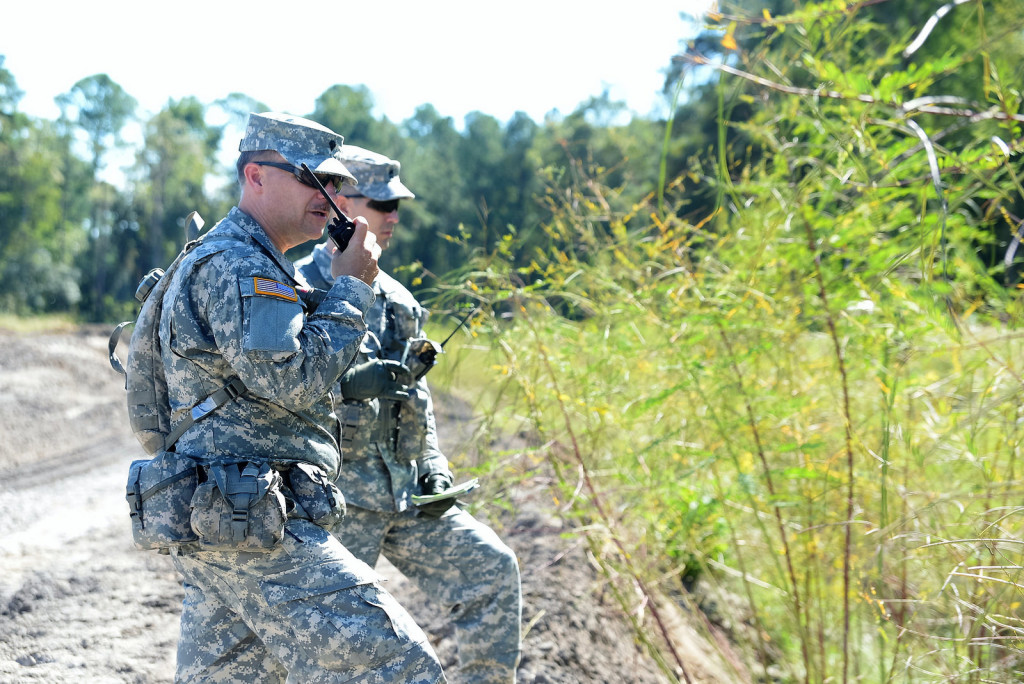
{"x":800,"y":416}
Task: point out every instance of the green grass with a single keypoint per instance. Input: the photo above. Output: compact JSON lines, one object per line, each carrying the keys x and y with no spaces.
{"x":766,"y":415}
{"x":25,"y":325}
{"x":717,"y":449}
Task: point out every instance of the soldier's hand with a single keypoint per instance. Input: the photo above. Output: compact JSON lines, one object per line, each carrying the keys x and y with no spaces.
{"x":377,"y":378}
{"x":435,"y":483}
{"x":360,"y":257}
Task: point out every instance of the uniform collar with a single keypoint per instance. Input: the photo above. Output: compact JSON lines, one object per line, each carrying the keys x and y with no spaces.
{"x":255,"y":230}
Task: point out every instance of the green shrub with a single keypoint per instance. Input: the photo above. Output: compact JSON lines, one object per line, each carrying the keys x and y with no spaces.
{"x":809,"y":400}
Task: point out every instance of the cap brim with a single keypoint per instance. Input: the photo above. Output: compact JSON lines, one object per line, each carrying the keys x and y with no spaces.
{"x":329,"y":166}
{"x":382,"y":192}
{"x":399,"y":191}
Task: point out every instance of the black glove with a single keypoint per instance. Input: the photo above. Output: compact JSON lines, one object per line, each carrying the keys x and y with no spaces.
{"x":435,"y":483}
{"x":377,"y":378}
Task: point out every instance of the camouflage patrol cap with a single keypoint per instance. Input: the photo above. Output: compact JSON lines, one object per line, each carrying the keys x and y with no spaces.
{"x":298,"y":140}
{"x":377,"y":175}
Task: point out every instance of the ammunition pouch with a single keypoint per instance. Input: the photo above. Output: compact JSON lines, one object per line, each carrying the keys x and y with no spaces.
{"x":240,"y":507}
{"x":359,"y":425}
{"x":413,"y":425}
{"x":159,"y":492}
{"x":313,"y":492}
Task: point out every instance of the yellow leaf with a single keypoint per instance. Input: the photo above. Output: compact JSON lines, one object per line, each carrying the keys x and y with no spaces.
{"x":766,"y":14}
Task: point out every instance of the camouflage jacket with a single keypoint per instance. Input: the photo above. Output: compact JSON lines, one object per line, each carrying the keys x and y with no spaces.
{"x":387,"y":445}
{"x":235,"y":313}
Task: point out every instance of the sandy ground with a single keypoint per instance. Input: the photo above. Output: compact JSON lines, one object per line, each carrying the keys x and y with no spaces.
{"x":78,"y":603}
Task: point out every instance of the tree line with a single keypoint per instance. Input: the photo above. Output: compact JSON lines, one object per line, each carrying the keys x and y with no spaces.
{"x":73,"y":242}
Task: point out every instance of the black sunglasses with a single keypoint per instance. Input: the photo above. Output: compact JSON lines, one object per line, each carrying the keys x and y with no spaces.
{"x":302,"y":176}
{"x":383,"y":206}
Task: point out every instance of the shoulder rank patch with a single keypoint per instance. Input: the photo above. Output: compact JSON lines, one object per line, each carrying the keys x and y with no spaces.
{"x":266,"y":286}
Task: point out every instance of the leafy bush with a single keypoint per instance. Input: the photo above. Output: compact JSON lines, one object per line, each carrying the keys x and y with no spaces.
{"x":810,"y":399}
{"x":34,"y":282}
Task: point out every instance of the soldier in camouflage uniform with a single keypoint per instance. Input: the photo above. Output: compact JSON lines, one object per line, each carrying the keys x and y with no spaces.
{"x":305,"y":610}
{"x":391,"y":452}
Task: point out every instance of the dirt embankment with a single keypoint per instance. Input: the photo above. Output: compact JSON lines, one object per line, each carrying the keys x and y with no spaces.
{"x":79,"y":604}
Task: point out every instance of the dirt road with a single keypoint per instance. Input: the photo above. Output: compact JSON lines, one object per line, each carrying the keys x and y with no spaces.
{"x":79,"y":604}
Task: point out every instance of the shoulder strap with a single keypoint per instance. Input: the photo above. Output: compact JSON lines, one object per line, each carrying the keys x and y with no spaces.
{"x":146,"y":387}
{"x":234,"y":388}
{"x":115,"y":337}
{"x":204,"y":408}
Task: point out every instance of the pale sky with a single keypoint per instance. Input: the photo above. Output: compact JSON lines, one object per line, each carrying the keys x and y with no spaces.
{"x":459,"y":55}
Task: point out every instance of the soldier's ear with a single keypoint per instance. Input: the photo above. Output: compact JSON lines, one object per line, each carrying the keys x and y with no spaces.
{"x":253,"y":175}
{"x":344,"y":203}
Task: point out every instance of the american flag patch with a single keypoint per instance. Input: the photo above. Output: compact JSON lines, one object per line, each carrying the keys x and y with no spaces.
{"x":266,"y":286}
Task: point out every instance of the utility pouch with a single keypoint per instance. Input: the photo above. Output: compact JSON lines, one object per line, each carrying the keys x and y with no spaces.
{"x":240,"y":507}
{"x":159,"y":491}
{"x":358,"y":424}
{"x":314,"y":492}
{"x":413,"y":425}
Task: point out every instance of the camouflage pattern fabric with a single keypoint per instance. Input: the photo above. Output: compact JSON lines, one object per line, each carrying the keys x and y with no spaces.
{"x":456,"y":560}
{"x":307,"y":611}
{"x":236,"y":313}
{"x":300,"y":141}
{"x":307,"y":606}
{"x":378,"y":176}
{"x":463,"y":567}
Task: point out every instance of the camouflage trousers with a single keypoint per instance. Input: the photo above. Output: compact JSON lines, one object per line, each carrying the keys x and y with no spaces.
{"x":306,"y":611}
{"x":460,"y":564}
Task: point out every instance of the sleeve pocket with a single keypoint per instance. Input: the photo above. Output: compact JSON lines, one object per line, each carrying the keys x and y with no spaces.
{"x":272,"y":317}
